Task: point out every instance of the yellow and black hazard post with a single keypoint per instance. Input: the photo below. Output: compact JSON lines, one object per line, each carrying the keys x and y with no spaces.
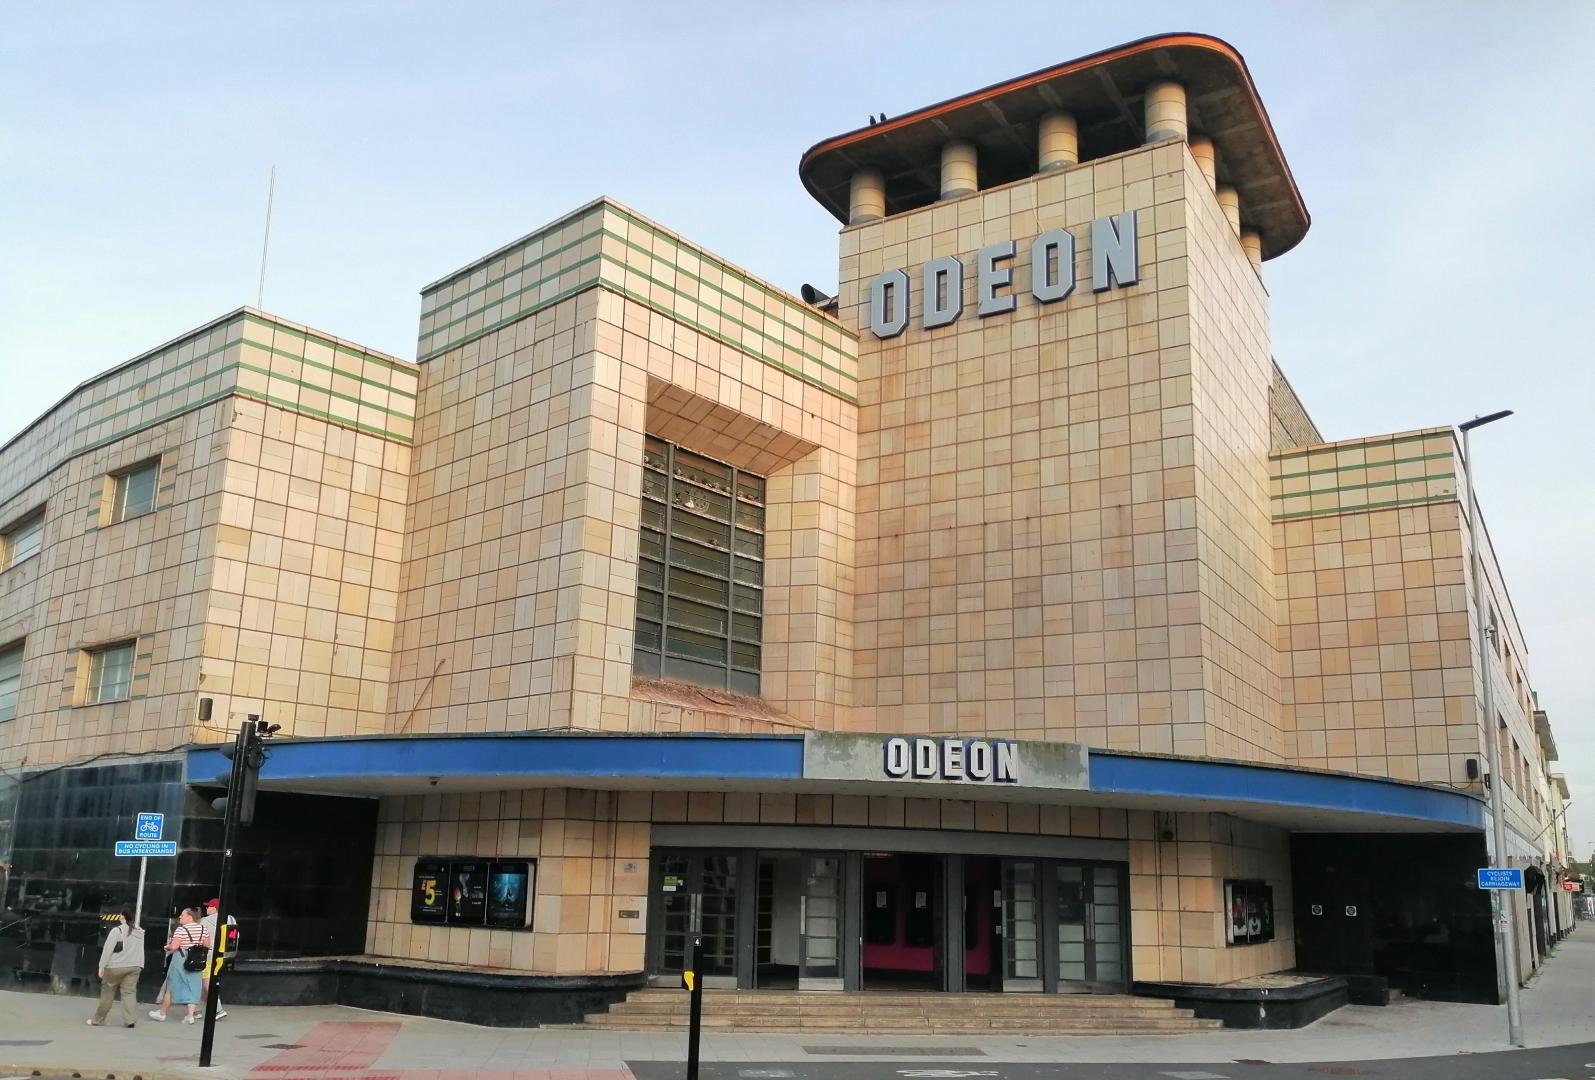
{"x":694,"y":984}
{"x":218,"y":955}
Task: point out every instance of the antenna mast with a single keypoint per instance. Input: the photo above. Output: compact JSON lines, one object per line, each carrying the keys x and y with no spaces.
{"x":265,"y":243}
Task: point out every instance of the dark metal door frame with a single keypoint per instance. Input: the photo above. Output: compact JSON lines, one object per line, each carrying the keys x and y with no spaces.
{"x":743,"y":941}
{"x":950,"y":934}
{"x":954,"y":917}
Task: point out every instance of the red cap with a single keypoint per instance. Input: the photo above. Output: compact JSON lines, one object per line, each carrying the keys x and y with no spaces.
{"x":213,"y":903}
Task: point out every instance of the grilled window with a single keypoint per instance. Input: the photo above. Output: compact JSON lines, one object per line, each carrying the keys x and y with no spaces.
{"x":700,"y":572}
{"x":110,"y":674}
{"x":10,"y":680}
{"x":133,"y":492}
{"x":23,"y":540}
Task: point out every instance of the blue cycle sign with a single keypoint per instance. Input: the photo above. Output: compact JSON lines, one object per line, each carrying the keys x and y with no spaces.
{"x":158,"y":849}
{"x":147,"y":842}
{"x":1500,"y":877}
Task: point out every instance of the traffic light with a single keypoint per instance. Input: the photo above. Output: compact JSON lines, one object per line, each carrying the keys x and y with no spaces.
{"x":245,"y":780}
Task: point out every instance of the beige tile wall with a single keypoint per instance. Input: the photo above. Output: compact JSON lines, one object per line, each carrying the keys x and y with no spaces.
{"x":300,"y":617}
{"x":519,"y":588}
{"x":1038,"y":552}
{"x":144,"y":578}
{"x":593,"y":849}
{"x":1373,"y":610}
{"x":592,"y":862}
{"x":1178,"y":866}
{"x":1291,"y":426}
{"x":1232,"y":374}
{"x":248,"y":412}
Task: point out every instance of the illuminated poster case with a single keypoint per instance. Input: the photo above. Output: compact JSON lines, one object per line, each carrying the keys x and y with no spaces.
{"x":473,"y":892}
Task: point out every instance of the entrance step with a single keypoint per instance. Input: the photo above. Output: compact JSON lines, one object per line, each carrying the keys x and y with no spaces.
{"x":903,"y":1014}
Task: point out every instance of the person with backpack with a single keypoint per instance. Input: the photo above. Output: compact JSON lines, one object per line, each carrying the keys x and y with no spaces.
{"x":187,"y":956}
{"x":225,"y":949}
{"x":121,"y":962}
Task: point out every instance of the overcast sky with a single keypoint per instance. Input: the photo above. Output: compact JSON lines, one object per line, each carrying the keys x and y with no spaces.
{"x":1446,"y":152}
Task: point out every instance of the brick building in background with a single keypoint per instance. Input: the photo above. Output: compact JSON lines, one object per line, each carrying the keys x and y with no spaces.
{"x":1001,"y":623}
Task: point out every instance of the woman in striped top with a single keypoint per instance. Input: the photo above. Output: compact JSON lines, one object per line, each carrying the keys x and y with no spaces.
{"x":182,"y":986}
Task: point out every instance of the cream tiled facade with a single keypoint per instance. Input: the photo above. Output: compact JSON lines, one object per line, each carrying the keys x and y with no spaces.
{"x":1107,"y":520}
{"x":264,"y":577}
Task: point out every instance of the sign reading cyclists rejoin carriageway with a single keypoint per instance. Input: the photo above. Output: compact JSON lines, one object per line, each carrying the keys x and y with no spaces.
{"x":944,"y":759}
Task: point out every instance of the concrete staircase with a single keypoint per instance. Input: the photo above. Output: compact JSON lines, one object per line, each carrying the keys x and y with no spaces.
{"x":882,"y":1013}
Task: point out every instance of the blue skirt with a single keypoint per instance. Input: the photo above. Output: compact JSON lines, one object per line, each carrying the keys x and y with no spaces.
{"x":185,"y":985}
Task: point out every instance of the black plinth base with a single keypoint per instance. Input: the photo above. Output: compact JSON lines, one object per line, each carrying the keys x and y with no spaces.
{"x":493,"y":999}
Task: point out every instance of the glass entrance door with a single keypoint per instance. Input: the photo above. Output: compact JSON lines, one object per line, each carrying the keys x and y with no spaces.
{"x":694,"y":891}
{"x":1089,"y":910}
{"x":820,"y":916}
{"x":1021,"y":926}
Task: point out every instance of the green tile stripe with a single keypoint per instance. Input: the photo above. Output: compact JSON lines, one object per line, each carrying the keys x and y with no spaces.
{"x":1391,"y":504}
{"x":201,"y":358}
{"x":1368,"y":465}
{"x":525,"y":266}
{"x":1284,"y":455}
{"x":133,"y":388}
{"x":527,"y":287}
{"x":1364,"y":487}
{"x":109,"y":439}
{"x":609,"y":260}
{"x":200,"y":379}
{"x":628,"y":268}
{"x":228,"y":342}
{"x":306,"y":410}
{"x":787,"y":303}
{"x":211,"y":399}
{"x":241,"y":366}
{"x":334,"y":370}
{"x":851,"y":399}
{"x":601,"y":257}
{"x":816,"y":338}
{"x":337,"y":349}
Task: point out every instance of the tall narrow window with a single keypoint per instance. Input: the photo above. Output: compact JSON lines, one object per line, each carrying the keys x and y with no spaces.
{"x":23,"y":540}
{"x":700,"y":572}
{"x":10,"y":680}
{"x":110,"y":674}
{"x":133,"y":492}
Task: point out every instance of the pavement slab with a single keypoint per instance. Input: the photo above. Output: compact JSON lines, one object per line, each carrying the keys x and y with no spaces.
{"x":46,"y":1032}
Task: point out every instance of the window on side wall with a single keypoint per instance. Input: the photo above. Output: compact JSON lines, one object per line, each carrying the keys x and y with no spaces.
{"x":22,"y":540}
{"x":110,"y":673}
{"x":10,"y":680}
{"x":1249,"y":912}
{"x":700,"y":571}
{"x":133,"y":490}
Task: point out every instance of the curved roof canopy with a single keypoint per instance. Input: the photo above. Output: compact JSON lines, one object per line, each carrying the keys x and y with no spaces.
{"x":1104,"y":91}
{"x":376,"y":765}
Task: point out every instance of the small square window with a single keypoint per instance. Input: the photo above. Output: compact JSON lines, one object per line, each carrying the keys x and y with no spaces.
{"x":110,"y":674}
{"x":23,"y":540}
{"x":10,"y":680}
{"x":133,"y":492}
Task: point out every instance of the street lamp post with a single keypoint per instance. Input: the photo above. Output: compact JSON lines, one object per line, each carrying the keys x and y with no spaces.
{"x":1509,"y":950}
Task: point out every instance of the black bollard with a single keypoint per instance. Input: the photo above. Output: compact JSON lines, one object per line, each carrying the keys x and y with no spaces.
{"x":695,"y":1006}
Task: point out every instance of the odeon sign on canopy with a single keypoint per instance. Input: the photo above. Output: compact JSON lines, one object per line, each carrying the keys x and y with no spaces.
{"x":1052,"y":277}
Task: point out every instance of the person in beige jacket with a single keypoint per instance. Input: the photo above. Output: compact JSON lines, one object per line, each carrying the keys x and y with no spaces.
{"x":121,"y":960}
